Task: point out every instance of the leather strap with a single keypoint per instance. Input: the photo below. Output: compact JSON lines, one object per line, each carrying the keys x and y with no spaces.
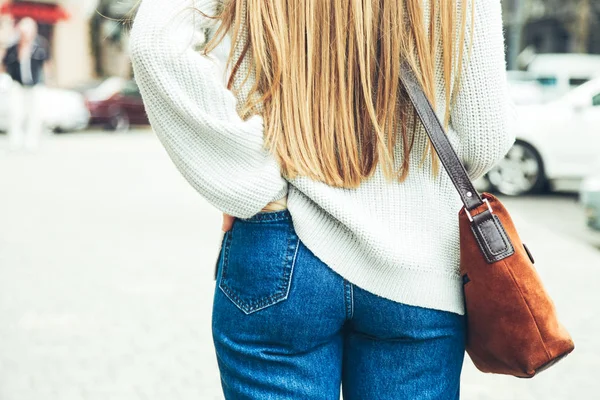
{"x":491,"y":237}
{"x":435,"y":130}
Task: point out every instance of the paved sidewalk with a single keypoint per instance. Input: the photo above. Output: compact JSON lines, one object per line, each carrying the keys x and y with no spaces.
{"x":105,"y":289}
{"x":106,"y":283}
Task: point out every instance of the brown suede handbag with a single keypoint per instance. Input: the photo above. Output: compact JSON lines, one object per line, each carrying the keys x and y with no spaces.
{"x":512,"y":326}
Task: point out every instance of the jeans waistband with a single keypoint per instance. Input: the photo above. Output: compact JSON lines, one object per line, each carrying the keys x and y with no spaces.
{"x":265,"y":216}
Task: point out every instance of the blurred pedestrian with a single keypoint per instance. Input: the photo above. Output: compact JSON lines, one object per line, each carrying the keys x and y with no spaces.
{"x":341,"y":267}
{"x":24,"y":62}
{"x":6,"y":35}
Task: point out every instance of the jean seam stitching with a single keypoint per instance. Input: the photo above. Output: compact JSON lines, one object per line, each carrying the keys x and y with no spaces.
{"x":280,"y":215}
{"x":351,"y":301}
{"x":347,"y":299}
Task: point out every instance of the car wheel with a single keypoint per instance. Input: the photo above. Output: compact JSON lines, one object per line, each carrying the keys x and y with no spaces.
{"x":119,"y":121}
{"x":521,"y":172}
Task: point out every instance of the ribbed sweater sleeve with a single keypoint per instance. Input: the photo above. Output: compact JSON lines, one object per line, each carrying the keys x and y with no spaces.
{"x":193,"y":113}
{"x":483,"y":117}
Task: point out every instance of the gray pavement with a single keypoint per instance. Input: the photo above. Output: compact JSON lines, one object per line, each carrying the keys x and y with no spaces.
{"x":106,"y":286}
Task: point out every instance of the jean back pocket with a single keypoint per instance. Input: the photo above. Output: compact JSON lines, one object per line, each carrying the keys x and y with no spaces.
{"x":258,"y":261}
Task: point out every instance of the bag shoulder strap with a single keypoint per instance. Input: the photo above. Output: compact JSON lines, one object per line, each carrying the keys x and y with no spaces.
{"x":435,"y":130}
{"x":491,"y":236}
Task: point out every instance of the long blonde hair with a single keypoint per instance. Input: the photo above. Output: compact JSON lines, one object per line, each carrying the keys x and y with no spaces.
{"x":326,"y":78}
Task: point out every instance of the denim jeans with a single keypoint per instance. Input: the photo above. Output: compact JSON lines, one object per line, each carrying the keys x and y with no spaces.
{"x":286,"y":326}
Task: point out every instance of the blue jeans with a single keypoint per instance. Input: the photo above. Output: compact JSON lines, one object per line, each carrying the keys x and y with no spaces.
{"x":286,"y":326}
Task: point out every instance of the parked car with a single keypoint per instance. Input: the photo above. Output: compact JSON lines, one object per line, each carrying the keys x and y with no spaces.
{"x":557,"y":144}
{"x":590,"y":197}
{"x":63,"y":110}
{"x":116,"y":104}
{"x":557,"y":74}
{"x":524,"y":88}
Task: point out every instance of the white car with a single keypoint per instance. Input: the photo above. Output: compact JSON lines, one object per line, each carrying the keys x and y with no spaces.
{"x":63,"y":110}
{"x":589,"y":196}
{"x":557,"y":144}
{"x":524,"y":88}
{"x":557,"y":74}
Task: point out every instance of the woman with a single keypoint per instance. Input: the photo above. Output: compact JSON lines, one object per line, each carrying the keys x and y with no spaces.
{"x":342,"y":263}
{"x":26,"y":63}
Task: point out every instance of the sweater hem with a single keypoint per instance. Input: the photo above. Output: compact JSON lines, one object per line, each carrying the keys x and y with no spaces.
{"x":409,"y":285}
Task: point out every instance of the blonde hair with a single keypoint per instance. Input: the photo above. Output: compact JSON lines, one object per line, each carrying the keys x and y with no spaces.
{"x":326,"y":78}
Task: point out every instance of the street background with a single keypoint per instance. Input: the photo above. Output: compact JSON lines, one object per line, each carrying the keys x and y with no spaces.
{"x":106,"y":258}
{"x":107,"y":253}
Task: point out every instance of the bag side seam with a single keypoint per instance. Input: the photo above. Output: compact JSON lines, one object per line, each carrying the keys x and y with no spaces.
{"x":537,"y":326}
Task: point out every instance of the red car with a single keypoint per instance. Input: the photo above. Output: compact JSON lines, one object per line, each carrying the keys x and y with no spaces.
{"x":116,"y":104}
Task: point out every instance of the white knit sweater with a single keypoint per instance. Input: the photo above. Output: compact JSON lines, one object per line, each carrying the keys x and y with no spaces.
{"x":397,"y":240}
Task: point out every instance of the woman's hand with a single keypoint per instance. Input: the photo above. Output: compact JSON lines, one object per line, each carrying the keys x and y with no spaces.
{"x":227,"y":222}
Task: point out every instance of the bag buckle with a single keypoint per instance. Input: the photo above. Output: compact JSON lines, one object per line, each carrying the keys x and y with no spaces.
{"x":489,"y":206}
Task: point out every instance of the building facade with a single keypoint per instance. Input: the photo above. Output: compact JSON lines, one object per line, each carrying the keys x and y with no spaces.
{"x":110,"y":37}
{"x":93,"y":41}
{"x":552,"y":26}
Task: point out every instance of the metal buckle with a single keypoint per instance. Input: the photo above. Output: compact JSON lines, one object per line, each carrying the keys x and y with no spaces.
{"x":486,"y":201}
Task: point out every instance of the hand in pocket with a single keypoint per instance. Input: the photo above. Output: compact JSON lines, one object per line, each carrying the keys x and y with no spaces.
{"x":227,"y":222}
